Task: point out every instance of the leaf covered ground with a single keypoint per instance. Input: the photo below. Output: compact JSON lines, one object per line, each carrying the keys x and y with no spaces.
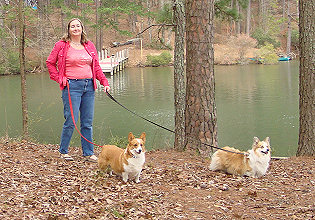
{"x":36,"y":184}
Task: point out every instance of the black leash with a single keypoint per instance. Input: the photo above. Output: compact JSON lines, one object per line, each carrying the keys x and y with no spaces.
{"x":112,"y":98}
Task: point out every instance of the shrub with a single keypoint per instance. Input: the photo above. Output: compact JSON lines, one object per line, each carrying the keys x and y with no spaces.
{"x":163,"y":59}
{"x":268,"y":54}
{"x":10,"y":62}
{"x":234,"y":50}
{"x":242,"y":44}
{"x":13,"y":62}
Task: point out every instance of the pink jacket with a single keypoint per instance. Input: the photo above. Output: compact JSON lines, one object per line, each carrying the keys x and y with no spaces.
{"x":56,"y":63}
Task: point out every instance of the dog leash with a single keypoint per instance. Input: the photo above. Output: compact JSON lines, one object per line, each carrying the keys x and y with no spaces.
{"x":112,"y":98}
{"x":218,"y":148}
{"x":71,"y":110}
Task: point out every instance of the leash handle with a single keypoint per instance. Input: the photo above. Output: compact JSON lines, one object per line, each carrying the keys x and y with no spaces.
{"x":71,"y":110}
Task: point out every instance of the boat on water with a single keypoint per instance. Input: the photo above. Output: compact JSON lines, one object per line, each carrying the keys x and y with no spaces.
{"x":284,"y":58}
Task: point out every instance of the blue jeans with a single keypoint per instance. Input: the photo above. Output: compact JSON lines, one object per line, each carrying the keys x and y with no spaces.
{"x":82,"y":97}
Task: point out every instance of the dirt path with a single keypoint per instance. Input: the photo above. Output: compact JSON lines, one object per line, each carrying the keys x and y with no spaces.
{"x":36,"y":184}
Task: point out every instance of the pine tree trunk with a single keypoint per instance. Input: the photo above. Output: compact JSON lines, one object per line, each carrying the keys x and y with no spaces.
{"x":22,"y":67}
{"x":179,"y":74}
{"x":200,"y":112}
{"x":306,"y":145}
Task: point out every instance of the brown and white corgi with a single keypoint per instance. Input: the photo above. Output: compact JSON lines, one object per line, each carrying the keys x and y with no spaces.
{"x":126,"y":162}
{"x":254,"y":162}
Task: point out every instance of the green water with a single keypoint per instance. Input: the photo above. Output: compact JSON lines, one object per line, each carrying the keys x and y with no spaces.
{"x":252,"y":100}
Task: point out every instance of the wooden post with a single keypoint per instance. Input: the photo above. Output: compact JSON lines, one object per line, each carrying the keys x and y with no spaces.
{"x":111,"y":64}
{"x":103,"y":54}
{"x":116,"y":62}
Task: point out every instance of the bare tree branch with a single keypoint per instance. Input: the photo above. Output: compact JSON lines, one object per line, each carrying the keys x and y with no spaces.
{"x":154,"y":25}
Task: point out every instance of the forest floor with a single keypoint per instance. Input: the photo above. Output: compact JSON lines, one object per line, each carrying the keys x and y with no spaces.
{"x":36,"y":184}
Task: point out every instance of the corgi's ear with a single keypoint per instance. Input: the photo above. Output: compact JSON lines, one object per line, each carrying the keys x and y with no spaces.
{"x":267,"y":139}
{"x":143,"y":136}
{"x":256,"y":140}
{"x":131,"y":137}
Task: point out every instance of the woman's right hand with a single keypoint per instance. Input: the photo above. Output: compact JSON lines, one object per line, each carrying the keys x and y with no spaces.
{"x":106,"y":88}
{"x":63,"y":81}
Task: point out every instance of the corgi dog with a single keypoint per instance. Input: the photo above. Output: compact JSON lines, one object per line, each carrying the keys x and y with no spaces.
{"x":253,"y":163}
{"x":125,"y":162}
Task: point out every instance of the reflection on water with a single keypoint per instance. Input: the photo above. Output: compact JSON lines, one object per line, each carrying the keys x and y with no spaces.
{"x":258,"y":101}
{"x":252,"y":100}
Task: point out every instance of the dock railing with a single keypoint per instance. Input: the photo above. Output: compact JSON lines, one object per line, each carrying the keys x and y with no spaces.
{"x":114,"y":62}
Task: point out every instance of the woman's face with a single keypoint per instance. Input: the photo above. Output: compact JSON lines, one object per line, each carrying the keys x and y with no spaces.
{"x":75,"y":28}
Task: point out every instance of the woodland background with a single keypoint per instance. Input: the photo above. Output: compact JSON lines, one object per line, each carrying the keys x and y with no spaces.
{"x":243,"y":29}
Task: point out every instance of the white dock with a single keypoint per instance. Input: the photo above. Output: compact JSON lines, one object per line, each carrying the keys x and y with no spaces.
{"x":113,"y":63}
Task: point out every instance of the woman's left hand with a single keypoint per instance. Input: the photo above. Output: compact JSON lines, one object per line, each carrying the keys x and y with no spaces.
{"x":106,"y":88}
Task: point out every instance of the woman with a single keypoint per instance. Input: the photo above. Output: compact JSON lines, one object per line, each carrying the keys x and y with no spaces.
{"x":74,"y":60}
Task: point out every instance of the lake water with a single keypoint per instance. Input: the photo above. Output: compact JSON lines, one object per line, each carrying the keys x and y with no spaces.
{"x":252,"y":100}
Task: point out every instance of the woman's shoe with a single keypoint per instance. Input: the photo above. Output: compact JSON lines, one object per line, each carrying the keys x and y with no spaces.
{"x":91,"y":158}
{"x":66,"y":157}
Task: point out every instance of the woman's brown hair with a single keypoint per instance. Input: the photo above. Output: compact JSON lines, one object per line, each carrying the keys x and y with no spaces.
{"x":66,"y":36}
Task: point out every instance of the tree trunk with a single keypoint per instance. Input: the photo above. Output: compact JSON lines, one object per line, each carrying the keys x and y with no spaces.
{"x":283,"y":9}
{"x":133,"y":20}
{"x":307,"y":79}
{"x":248,"y":18}
{"x":200,"y":112}
{"x":40,"y":36}
{"x":97,"y":31}
{"x":289,"y":31}
{"x":262,"y":14}
{"x":284,"y":15}
{"x":149,"y":20}
{"x":232,"y":22}
{"x":1,"y":14}
{"x":22,"y":67}
{"x":179,"y":74}
{"x":101,"y":39}
{"x":238,"y":22}
{"x":101,"y":17}
{"x":169,"y":37}
{"x":62,"y":16}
